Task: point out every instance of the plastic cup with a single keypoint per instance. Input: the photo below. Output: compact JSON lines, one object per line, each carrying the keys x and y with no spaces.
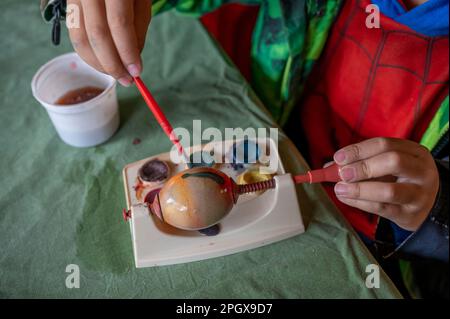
{"x":85,"y":124}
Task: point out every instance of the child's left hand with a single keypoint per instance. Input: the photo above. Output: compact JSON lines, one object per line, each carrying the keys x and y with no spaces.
{"x":396,"y":179}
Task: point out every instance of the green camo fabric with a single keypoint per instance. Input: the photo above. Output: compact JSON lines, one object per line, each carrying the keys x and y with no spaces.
{"x":437,"y":128}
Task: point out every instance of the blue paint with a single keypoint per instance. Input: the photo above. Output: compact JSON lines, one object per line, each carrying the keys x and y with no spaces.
{"x":246,"y":152}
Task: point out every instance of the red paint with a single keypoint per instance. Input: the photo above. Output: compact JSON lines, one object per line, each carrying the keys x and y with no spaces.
{"x":152,"y":195}
{"x":126,"y":214}
{"x":80,"y":95}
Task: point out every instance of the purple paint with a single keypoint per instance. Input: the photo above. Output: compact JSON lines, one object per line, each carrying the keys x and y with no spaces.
{"x":210,"y":231}
{"x":154,"y":171}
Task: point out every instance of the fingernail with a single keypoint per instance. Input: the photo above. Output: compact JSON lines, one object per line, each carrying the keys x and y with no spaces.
{"x":347,"y":174}
{"x":125,"y":81}
{"x":133,"y":70}
{"x":341,"y":189}
{"x":339,"y":157}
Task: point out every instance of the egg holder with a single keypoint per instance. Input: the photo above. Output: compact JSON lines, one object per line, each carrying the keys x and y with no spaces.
{"x":257,"y":219}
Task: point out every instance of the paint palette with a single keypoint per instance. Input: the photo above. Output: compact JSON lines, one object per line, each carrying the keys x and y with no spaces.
{"x":255,"y":220}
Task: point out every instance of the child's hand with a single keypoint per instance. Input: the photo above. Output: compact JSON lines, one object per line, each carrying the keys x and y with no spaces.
{"x":112,"y":35}
{"x":396,"y":179}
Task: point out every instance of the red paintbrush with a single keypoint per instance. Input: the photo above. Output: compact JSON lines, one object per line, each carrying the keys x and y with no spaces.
{"x":327,"y":174}
{"x":159,"y":115}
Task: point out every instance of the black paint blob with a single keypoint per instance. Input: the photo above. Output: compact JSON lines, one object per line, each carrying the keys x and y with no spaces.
{"x":154,"y":171}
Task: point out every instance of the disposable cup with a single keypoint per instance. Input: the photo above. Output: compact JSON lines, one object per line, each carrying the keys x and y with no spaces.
{"x":84,"y":124}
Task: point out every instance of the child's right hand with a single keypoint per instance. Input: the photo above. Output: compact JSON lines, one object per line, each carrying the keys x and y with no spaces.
{"x":112,"y":35}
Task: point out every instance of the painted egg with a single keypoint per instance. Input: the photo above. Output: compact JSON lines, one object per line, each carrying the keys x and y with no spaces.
{"x":195,"y":199}
{"x":201,"y":159}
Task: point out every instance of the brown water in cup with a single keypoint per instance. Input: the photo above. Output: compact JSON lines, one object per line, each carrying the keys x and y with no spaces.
{"x":79,"y":95}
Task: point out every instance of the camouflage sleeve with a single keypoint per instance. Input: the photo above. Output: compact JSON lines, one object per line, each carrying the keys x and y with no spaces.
{"x":195,"y":7}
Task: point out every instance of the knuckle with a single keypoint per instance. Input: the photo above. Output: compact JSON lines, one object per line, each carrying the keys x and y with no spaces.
{"x":391,"y":193}
{"x":97,"y":32}
{"x":355,"y":190}
{"x":115,"y":70}
{"x":119,"y":21}
{"x":365,"y":170}
{"x":395,"y":159}
{"x":383,"y":143}
{"x":355,"y":151}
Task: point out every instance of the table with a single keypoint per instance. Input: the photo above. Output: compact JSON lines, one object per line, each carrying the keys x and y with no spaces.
{"x":62,"y":205}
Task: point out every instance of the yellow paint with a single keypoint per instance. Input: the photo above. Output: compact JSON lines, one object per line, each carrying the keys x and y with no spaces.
{"x":253,"y":176}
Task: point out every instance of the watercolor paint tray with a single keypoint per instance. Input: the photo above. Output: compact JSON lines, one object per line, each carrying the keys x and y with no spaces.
{"x":256,"y":219}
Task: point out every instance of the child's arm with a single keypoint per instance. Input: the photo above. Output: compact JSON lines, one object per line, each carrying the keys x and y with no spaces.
{"x":400,"y":181}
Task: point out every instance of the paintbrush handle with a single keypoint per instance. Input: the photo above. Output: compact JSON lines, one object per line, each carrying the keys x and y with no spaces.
{"x":327,"y":174}
{"x":158,"y":113}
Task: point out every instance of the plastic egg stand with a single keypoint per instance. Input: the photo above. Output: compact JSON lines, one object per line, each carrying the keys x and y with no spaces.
{"x":256,"y":220}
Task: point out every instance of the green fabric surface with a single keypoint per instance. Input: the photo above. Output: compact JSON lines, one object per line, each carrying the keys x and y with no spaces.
{"x":62,"y":205}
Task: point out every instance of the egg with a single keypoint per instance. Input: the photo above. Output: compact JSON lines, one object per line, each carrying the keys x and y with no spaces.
{"x":195,"y":199}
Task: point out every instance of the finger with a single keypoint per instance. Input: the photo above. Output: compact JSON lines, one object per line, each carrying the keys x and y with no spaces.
{"x":120,"y":15}
{"x":79,"y":39}
{"x":375,"y":146}
{"x":389,"y":211}
{"x":390,"y":163}
{"x":142,"y":17}
{"x":392,"y":193}
{"x":101,"y":40}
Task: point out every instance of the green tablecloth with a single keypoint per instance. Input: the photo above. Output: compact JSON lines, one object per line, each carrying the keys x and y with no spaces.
{"x":62,"y":205}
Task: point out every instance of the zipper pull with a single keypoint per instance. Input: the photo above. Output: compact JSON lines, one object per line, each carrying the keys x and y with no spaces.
{"x":56,"y":29}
